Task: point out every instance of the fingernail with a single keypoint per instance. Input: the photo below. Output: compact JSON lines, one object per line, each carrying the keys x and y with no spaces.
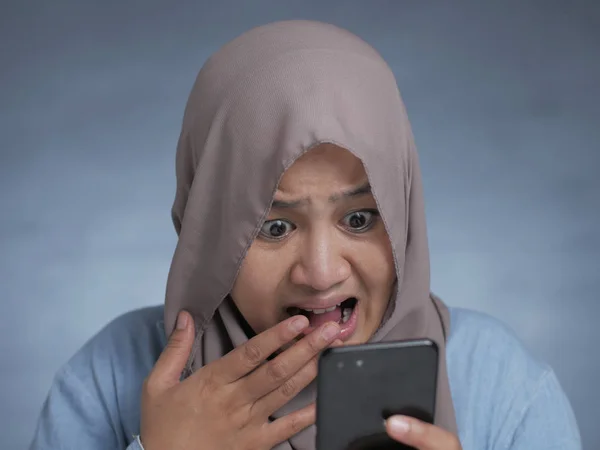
{"x":182,"y":320}
{"x":298,"y":324}
{"x":330,"y":331}
{"x":398,"y":424}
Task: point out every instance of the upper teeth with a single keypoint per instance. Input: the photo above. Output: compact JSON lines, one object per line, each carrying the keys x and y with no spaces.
{"x":321,"y":311}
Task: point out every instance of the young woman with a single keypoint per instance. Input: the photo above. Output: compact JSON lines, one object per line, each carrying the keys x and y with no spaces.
{"x":301,"y":224}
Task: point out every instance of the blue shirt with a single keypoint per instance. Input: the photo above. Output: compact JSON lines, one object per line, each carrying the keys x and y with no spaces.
{"x":503,"y":397}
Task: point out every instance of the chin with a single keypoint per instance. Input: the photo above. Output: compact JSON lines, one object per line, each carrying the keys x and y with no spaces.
{"x":358,"y":339}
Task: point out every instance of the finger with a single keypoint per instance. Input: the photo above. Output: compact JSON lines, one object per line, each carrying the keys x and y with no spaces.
{"x":337,"y":343}
{"x":271,"y":402}
{"x":289,"y":425}
{"x":247,"y":357}
{"x":421,"y":435}
{"x":167,"y":370}
{"x":276,"y":372}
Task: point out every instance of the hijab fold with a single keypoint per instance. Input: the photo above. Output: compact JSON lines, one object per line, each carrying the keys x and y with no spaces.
{"x":257,"y":105}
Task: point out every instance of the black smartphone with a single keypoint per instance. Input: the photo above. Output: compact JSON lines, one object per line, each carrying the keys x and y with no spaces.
{"x":359,"y":386}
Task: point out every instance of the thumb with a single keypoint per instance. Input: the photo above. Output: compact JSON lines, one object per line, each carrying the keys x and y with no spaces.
{"x":172,"y":361}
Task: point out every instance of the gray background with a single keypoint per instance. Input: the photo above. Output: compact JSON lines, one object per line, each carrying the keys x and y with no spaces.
{"x":504,"y":101}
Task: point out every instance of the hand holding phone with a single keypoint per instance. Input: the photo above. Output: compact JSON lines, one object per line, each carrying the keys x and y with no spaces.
{"x":360,"y":386}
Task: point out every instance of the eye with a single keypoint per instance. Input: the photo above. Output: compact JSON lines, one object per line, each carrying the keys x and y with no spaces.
{"x":360,"y":221}
{"x":276,"y":229}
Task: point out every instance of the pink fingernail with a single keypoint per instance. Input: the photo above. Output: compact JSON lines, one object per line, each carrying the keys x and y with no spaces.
{"x":299,"y":324}
{"x":398,"y":424}
{"x":182,"y":321}
{"x":330,"y":331}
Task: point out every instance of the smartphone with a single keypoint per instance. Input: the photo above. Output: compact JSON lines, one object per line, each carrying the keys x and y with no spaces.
{"x":359,"y":386}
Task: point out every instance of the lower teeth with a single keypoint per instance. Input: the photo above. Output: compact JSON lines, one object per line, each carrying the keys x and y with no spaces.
{"x":346,"y":313}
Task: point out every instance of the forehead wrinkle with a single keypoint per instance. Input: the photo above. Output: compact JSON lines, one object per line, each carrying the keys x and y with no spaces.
{"x":282,"y":204}
{"x":363,"y":189}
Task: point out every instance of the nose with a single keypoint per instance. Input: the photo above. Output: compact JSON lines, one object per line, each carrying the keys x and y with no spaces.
{"x":321,"y":264}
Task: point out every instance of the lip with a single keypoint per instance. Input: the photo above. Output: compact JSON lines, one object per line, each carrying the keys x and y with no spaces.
{"x":321,"y":303}
{"x":347,"y":329}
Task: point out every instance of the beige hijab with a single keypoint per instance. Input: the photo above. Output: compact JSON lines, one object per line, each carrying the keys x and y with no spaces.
{"x":258,"y":104}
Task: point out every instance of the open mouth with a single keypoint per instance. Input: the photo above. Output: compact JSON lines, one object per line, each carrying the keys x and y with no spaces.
{"x":343,"y":310}
{"x":344,"y":313}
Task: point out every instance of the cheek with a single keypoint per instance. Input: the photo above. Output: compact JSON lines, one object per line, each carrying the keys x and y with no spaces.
{"x":377,"y":270}
{"x":379,"y":261}
{"x":255,"y":291}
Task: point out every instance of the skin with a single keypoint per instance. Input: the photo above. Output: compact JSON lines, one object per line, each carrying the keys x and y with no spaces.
{"x":318,"y":251}
{"x":421,"y":435}
{"x":227,"y":404}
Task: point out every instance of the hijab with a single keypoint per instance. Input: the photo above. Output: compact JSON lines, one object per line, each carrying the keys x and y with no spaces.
{"x":257,"y":105}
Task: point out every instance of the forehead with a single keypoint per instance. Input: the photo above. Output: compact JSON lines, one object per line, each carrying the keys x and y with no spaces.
{"x":325,"y":164}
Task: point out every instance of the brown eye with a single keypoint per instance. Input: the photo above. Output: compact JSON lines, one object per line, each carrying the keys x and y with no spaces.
{"x":276,"y":229}
{"x":360,"y":220}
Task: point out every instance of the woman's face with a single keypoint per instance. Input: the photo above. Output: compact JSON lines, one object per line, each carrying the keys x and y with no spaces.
{"x":323,"y":250}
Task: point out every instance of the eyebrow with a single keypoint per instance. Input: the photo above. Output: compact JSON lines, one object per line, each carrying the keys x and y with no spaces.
{"x":356,"y":192}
